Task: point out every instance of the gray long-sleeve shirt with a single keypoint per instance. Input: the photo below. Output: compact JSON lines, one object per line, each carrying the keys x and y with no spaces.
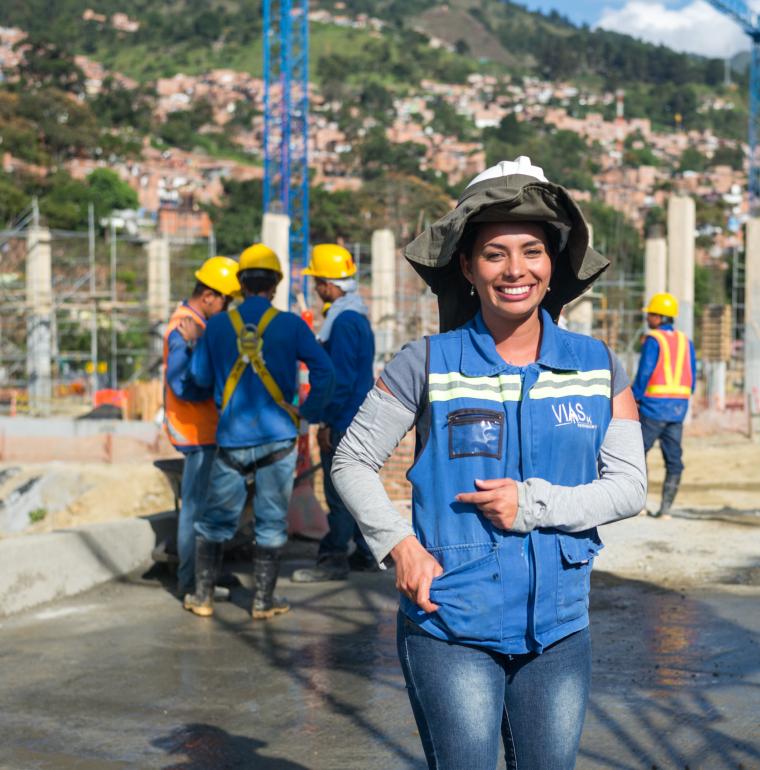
{"x":382,"y":421}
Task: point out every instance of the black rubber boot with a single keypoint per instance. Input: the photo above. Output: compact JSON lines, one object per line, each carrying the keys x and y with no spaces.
{"x":266,"y":568}
{"x":208,"y":561}
{"x":330,"y":566}
{"x":669,"y":490}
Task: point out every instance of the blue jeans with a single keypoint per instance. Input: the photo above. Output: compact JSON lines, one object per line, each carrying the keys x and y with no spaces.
{"x":342,"y":526}
{"x":227,"y":493}
{"x":670,"y":435}
{"x":466,"y":698}
{"x":193,"y":491}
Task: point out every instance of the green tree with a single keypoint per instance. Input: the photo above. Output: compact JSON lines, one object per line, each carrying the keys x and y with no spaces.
{"x":728,"y":156}
{"x":65,"y":203}
{"x":108,"y":193}
{"x":237,"y":218}
{"x":118,"y":106}
{"x":692,"y":160}
{"x":615,"y":237}
{"x":13,"y":200}
{"x":68,"y":129}
{"x":45,"y":65}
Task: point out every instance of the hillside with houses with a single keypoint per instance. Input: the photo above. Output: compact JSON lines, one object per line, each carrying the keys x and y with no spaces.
{"x":428,"y":112}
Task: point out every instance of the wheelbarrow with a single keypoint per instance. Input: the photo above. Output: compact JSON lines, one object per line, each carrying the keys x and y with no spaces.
{"x":306,"y":518}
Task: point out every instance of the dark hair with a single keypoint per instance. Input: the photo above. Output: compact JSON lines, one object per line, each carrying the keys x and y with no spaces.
{"x":258,"y":281}
{"x":666,"y":319}
{"x":201,"y":287}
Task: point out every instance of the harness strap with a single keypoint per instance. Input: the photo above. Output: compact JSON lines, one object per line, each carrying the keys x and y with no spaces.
{"x":250,"y":343}
{"x":249,"y":468}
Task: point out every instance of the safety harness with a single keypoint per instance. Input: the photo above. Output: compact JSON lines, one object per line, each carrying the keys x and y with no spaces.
{"x":250,"y":341}
{"x":249,"y":469}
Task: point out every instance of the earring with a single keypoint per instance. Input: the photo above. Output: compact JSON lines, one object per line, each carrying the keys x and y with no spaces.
{"x":548,"y":289}
{"x":472,"y":289}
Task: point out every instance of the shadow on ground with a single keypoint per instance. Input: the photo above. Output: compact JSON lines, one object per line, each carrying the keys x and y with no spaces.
{"x":206,"y":747}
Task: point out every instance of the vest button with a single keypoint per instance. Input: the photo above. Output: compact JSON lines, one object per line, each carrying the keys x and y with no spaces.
{"x":495,"y":576}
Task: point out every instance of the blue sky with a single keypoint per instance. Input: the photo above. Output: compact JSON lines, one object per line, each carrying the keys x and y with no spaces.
{"x":686,"y":25}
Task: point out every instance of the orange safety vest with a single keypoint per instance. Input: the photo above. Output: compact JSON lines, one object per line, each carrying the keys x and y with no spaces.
{"x":672,"y":376}
{"x":188,"y":423}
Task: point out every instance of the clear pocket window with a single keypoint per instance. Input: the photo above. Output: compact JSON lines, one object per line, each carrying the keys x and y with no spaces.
{"x":476,"y":433}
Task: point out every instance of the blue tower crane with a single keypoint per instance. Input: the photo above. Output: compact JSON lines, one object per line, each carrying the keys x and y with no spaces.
{"x":286,"y":124}
{"x":748,"y":21}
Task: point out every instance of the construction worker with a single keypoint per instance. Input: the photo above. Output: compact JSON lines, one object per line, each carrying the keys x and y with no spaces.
{"x":249,"y":357}
{"x":664,"y":383}
{"x":190,"y":415}
{"x":347,"y":337}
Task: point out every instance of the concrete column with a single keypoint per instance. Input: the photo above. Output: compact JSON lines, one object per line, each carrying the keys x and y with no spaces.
{"x":681,"y":226}
{"x":39,"y":303}
{"x":715,"y":377}
{"x":384,"y":290}
{"x":275,"y":233}
{"x":752,"y":325}
{"x":655,"y":267}
{"x":159,"y":290}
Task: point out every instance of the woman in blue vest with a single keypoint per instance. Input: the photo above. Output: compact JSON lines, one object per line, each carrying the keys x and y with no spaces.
{"x":527,"y":439}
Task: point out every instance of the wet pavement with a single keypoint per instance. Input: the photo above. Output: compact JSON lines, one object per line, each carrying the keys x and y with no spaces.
{"x":121,"y":677}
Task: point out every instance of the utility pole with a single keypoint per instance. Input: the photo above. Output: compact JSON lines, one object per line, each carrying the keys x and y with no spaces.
{"x":93,"y":300}
{"x":114,"y":378}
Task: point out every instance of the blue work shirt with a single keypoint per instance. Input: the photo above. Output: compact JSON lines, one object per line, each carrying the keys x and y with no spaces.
{"x":351,"y":347}
{"x":663,"y":409}
{"x":252,"y":417}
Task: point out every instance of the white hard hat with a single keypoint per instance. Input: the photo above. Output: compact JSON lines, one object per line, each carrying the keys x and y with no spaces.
{"x":521,"y":165}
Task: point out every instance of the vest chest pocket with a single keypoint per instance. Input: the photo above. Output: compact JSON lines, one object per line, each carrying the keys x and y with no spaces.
{"x":475,"y":433}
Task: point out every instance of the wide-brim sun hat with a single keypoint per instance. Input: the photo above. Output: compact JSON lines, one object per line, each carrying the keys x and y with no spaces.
{"x":510,"y":191}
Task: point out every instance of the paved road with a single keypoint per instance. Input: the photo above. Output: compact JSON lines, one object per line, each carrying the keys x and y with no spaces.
{"x":121,"y":677}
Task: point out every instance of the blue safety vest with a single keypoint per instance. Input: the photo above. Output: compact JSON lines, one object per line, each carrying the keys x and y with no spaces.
{"x":484,"y":419}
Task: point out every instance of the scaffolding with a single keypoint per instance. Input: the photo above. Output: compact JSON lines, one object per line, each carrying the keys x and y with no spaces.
{"x":101,"y":327}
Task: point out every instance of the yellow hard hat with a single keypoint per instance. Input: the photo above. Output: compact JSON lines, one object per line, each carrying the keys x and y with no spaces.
{"x":663,"y":304}
{"x":329,"y":260}
{"x":219,"y":274}
{"x":260,"y":257}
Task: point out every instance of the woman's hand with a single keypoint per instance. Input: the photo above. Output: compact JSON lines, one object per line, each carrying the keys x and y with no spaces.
{"x":497,"y":501}
{"x":415,"y":570}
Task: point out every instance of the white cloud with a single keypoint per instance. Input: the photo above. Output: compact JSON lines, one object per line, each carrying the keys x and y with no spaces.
{"x":696,"y":27}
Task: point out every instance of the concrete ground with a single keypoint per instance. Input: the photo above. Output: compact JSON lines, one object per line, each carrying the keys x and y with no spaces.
{"x":121,"y":677}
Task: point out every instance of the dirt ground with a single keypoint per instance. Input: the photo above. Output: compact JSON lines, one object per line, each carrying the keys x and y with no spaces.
{"x":722,"y":471}
{"x":93,"y":492}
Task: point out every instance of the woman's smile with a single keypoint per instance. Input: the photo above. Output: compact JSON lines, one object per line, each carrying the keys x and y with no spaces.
{"x":514,"y":293}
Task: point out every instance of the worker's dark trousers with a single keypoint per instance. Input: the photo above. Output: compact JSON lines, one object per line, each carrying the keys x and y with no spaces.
{"x":670,"y":434}
{"x":343,"y":527}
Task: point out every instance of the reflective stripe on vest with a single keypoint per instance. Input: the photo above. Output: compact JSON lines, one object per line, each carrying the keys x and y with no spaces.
{"x":672,"y":376}
{"x":187,"y":423}
{"x":250,"y":344}
{"x":507,"y":387}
